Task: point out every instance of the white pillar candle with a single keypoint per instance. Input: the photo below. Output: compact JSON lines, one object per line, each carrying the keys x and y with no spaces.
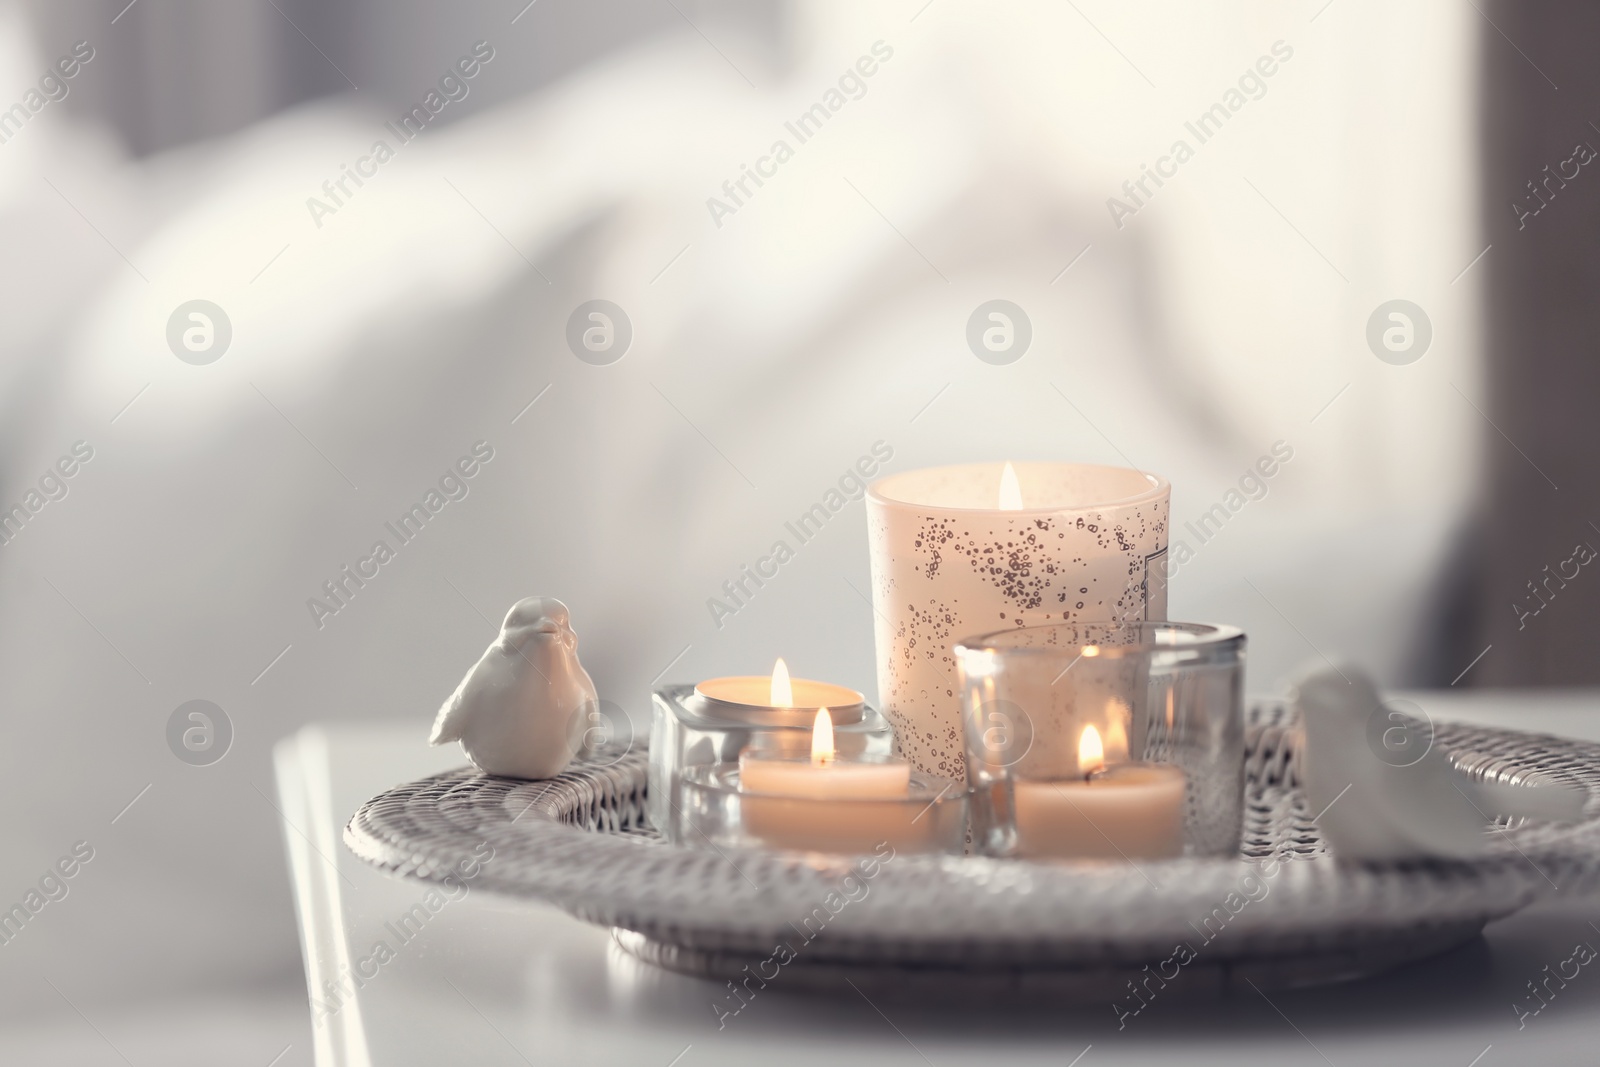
{"x":963,"y":550}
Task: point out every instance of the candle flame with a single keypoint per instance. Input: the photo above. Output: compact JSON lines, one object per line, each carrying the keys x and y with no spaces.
{"x":782,"y":691}
{"x":1116,"y":739}
{"x":1091,"y":753}
{"x":822,"y":738}
{"x":1010,"y":489}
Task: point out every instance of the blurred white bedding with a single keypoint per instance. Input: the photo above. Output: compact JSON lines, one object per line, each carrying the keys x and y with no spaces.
{"x":371,"y":351}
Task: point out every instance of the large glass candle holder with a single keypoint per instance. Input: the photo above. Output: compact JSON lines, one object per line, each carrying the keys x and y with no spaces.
{"x":968,"y":549}
{"x":1105,"y":741}
{"x":714,"y":722}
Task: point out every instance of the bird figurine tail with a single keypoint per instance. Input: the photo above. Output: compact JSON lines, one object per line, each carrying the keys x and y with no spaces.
{"x":447,"y":725}
{"x":1545,"y":801}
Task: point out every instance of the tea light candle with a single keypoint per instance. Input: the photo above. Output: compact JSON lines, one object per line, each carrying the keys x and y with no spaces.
{"x":780,"y":692}
{"x":828,"y":805}
{"x":711,"y":724}
{"x":1128,"y":811}
{"x":822,"y":775}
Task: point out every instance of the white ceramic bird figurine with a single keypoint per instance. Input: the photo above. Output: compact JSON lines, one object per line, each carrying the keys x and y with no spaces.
{"x":522,"y":709}
{"x":1386,"y":792}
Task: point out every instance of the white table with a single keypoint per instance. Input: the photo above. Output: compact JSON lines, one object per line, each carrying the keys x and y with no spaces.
{"x":491,"y":981}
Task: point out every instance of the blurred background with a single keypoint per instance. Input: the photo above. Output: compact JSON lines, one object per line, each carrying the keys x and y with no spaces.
{"x":372,"y":315}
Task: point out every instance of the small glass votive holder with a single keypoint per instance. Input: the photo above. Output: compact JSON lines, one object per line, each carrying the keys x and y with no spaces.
{"x":692,"y":727}
{"x":1105,"y":740}
{"x":716,"y":812}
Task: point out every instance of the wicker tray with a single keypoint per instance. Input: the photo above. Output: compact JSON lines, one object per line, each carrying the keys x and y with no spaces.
{"x":1285,"y":912}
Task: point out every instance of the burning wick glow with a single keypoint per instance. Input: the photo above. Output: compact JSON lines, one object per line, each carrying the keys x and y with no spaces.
{"x":1116,"y":739}
{"x":782,"y":691}
{"x":1010,"y":489}
{"x":1091,"y":753}
{"x":822,"y":737}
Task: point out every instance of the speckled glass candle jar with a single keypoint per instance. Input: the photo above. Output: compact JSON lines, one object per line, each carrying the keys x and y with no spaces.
{"x":948,"y":562}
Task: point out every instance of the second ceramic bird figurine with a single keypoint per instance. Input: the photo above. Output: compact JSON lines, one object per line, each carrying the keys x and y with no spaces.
{"x":1384,"y":805}
{"x":521,"y":711}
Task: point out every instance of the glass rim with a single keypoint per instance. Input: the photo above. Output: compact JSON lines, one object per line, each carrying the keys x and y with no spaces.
{"x":1198,"y":637}
{"x":1159,"y":487}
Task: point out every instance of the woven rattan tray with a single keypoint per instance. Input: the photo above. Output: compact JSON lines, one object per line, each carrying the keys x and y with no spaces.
{"x":1284,"y":912}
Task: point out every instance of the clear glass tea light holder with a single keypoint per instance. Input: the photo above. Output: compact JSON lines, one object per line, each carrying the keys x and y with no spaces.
{"x":1105,"y":740}
{"x":691,"y":727}
{"x":716,"y":810}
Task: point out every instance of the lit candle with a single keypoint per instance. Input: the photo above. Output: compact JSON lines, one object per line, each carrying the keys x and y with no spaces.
{"x":823,"y":775}
{"x":825,"y":804}
{"x":711,"y":724}
{"x":1127,"y":811}
{"x":969,"y":549}
{"x":780,"y":692}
